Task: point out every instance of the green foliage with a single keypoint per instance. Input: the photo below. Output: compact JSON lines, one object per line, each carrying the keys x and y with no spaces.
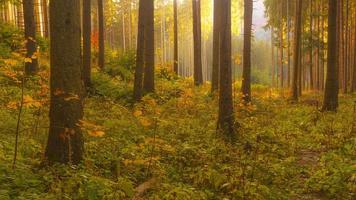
{"x":284,"y":151}
{"x":106,"y":86}
{"x":10,"y":40}
{"x":121,"y":66}
{"x":42,"y":43}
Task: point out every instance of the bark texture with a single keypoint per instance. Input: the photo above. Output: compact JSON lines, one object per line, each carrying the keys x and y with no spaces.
{"x":65,"y":140}
{"x":332,"y":74}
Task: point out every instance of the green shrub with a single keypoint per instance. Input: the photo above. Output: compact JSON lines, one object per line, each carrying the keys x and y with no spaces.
{"x":121,"y":65}
{"x":10,"y":39}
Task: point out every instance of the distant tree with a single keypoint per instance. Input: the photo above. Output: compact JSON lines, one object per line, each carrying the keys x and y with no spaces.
{"x":296,"y":58}
{"x":332,"y":75}
{"x":246,"y":77}
{"x":198,"y":68}
{"x":175,"y":13}
{"x":101,"y":34}
{"x":216,"y":46}
{"x":30,"y":35}
{"x":65,"y":140}
{"x":226,"y":117}
{"x":87,"y":43}
{"x":353,"y":84}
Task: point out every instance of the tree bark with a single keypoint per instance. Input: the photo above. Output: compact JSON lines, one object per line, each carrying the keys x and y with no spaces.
{"x":65,"y":140}
{"x":138,"y":84}
{"x":332,"y":82}
{"x":30,"y":36}
{"x":101,"y":60}
{"x":149,"y":83}
{"x":216,"y":45}
{"x":176,"y":62}
{"x":198,"y":71}
{"x":246,"y":77}
{"x":296,"y":62}
{"x":226,"y":115}
{"x":87,"y":43}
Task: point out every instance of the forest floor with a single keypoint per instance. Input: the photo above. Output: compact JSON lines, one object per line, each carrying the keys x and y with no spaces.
{"x":167,"y":147}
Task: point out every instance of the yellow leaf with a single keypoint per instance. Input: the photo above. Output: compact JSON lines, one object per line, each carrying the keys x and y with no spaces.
{"x":96,"y":133}
{"x":137,"y":113}
{"x":28,"y":60}
{"x":12,"y":105}
{"x":145,"y":122}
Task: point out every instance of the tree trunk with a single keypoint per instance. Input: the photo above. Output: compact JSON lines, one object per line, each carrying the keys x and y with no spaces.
{"x":65,"y":140}
{"x":101,"y":61}
{"x":226,"y":117}
{"x":332,"y":82}
{"x":87,"y":43}
{"x":45,"y":18}
{"x":176,"y":62}
{"x":149,"y":48}
{"x":216,"y":45}
{"x":353,"y":87}
{"x":198,"y":72}
{"x":311,"y":45}
{"x":138,"y":84}
{"x":281,"y":68}
{"x":273,"y":69}
{"x":296,"y":62}
{"x":246,"y":77}
{"x":30,"y":36}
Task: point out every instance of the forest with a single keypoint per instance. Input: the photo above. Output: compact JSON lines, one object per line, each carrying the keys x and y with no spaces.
{"x":177,"y":99}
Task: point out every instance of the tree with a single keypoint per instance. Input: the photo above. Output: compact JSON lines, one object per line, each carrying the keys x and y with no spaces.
{"x":144,"y":72}
{"x":226,"y":117}
{"x":332,"y":75}
{"x":216,"y":46}
{"x":175,"y":13}
{"x":149,"y":84}
{"x":138,"y":84}
{"x":101,"y":34}
{"x":296,"y":55}
{"x":246,"y":77}
{"x":65,"y":140}
{"x":87,"y":43}
{"x":30,"y":36}
{"x":198,"y":68}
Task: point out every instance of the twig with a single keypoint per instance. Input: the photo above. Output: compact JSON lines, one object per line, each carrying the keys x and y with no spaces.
{"x":19,"y":118}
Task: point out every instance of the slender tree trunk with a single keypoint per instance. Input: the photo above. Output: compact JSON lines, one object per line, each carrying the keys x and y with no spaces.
{"x":353,"y":87}
{"x":30,"y":36}
{"x":149,"y":83}
{"x":45,"y":18}
{"x":176,"y":62}
{"x":332,"y":82}
{"x":311,"y":45}
{"x":216,"y":45}
{"x":281,"y":67}
{"x":65,"y":140}
{"x":198,"y":72}
{"x":226,"y":114}
{"x":87,"y":43}
{"x":246,"y":77}
{"x":288,"y":44}
{"x":273,"y":59}
{"x":297,"y":35}
{"x":101,"y":34}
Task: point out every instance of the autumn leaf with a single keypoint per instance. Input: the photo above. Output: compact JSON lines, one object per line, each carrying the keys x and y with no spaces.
{"x":96,"y":133}
{"x":137,"y":113}
{"x":28,"y":60}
